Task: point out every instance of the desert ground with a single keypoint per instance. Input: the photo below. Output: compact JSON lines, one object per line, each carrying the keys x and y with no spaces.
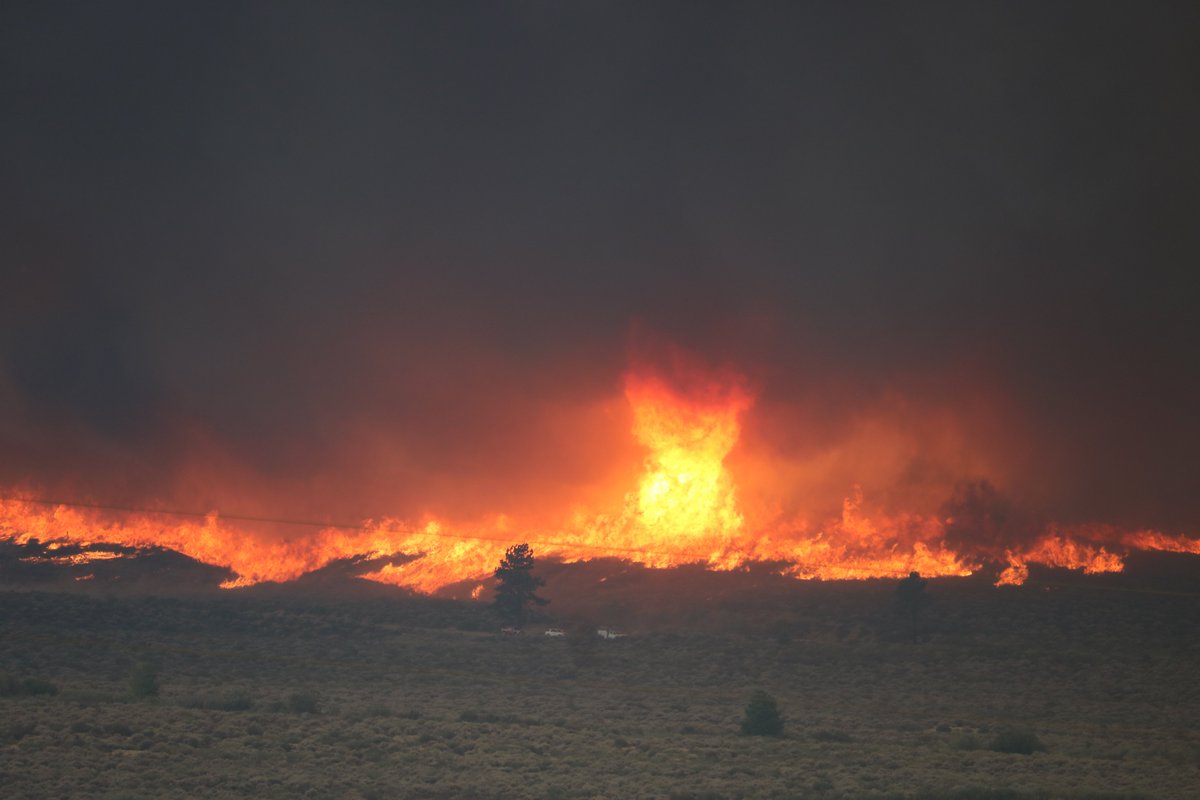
{"x":302,"y":692}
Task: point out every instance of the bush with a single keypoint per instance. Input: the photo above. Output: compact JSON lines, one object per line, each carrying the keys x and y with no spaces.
{"x":488,"y":716}
{"x":967,"y":741}
{"x":28,"y":686}
{"x":1016,"y":740}
{"x":17,"y":731}
{"x":38,"y":686}
{"x":762,"y":716}
{"x":301,"y":703}
{"x":143,"y":681}
{"x":236,"y":701}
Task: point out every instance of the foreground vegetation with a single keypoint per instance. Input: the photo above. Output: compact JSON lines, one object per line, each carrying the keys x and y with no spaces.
{"x":1010,"y":694}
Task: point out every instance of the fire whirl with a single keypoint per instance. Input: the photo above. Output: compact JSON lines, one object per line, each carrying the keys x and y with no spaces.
{"x":683,"y":509}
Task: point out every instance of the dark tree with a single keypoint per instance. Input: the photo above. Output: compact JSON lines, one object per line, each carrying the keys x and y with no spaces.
{"x":518,"y":585}
{"x":762,"y":716}
{"x":911,"y":598}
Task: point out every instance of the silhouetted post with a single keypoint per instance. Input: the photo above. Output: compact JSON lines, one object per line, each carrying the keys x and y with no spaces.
{"x":911,"y":598}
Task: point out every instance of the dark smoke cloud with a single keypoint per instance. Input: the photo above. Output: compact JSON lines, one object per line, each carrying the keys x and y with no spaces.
{"x":980,"y":520}
{"x":374,"y":259}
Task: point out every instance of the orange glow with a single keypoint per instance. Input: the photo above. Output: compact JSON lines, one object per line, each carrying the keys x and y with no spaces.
{"x":685,"y":499}
{"x":857,"y":546}
{"x":683,"y":508}
{"x":1153,"y":540}
{"x":1056,"y":550}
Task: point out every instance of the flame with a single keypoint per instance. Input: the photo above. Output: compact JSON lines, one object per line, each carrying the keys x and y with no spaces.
{"x":686,"y":496}
{"x":857,"y":546}
{"x":1155,"y":540}
{"x":682,"y":509}
{"x":1057,"y":550}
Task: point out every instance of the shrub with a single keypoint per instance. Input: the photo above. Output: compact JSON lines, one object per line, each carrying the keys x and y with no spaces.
{"x":967,"y":741}
{"x":27,"y":686}
{"x":301,"y":703}
{"x":762,"y":716}
{"x":17,"y":731}
{"x":235,"y":701}
{"x":1016,"y":740}
{"x":38,"y":686}
{"x":488,"y":716}
{"x":143,"y":681}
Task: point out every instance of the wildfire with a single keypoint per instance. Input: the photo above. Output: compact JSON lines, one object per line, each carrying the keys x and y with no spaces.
{"x":686,"y":497}
{"x":857,"y":546}
{"x":682,"y":509}
{"x":1056,"y":550}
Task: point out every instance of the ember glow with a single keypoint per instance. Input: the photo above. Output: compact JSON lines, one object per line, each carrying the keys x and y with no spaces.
{"x":682,"y":509}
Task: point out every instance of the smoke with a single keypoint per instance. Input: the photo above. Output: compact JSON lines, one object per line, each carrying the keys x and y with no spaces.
{"x":979,"y":520}
{"x":358,"y":264}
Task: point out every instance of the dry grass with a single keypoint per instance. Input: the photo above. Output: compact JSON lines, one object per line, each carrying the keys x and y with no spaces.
{"x":409,"y":711}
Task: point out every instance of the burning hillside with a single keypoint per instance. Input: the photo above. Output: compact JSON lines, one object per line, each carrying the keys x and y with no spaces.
{"x":683,"y":508}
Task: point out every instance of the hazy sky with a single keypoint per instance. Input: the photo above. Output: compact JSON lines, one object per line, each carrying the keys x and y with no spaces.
{"x":403,"y":247}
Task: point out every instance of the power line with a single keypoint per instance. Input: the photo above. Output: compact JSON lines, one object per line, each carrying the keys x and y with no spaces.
{"x":323,"y":525}
{"x":180,"y":513}
{"x":844,"y":568}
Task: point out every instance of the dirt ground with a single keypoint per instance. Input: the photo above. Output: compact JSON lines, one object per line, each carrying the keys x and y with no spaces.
{"x":275,"y":696}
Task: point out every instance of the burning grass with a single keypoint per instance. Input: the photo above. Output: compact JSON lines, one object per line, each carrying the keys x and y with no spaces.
{"x":684,"y":507}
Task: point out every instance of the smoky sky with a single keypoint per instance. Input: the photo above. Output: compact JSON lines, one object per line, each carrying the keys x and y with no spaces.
{"x":264,"y":229}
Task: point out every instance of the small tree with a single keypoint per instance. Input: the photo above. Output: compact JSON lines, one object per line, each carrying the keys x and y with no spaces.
{"x":762,"y":716}
{"x":302,"y":703}
{"x":911,"y":598}
{"x":143,"y":681}
{"x":518,"y":585}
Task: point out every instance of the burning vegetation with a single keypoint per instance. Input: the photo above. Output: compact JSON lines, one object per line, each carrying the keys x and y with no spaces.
{"x":684,"y":508}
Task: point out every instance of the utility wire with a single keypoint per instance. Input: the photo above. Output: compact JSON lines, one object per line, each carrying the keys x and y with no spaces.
{"x":321,"y":525}
{"x":440,"y":534}
{"x":179,"y":513}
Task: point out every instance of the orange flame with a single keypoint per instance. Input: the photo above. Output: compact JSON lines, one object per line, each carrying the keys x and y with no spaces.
{"x":1056,"y":550}
{"x":683,"y":509}
{"x":686,"y":497}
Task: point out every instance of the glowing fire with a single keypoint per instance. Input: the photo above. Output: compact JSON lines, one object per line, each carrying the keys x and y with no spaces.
{"x":683,"y":509}
{"x":686,"y":497}
{"x":1055,"y":550}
